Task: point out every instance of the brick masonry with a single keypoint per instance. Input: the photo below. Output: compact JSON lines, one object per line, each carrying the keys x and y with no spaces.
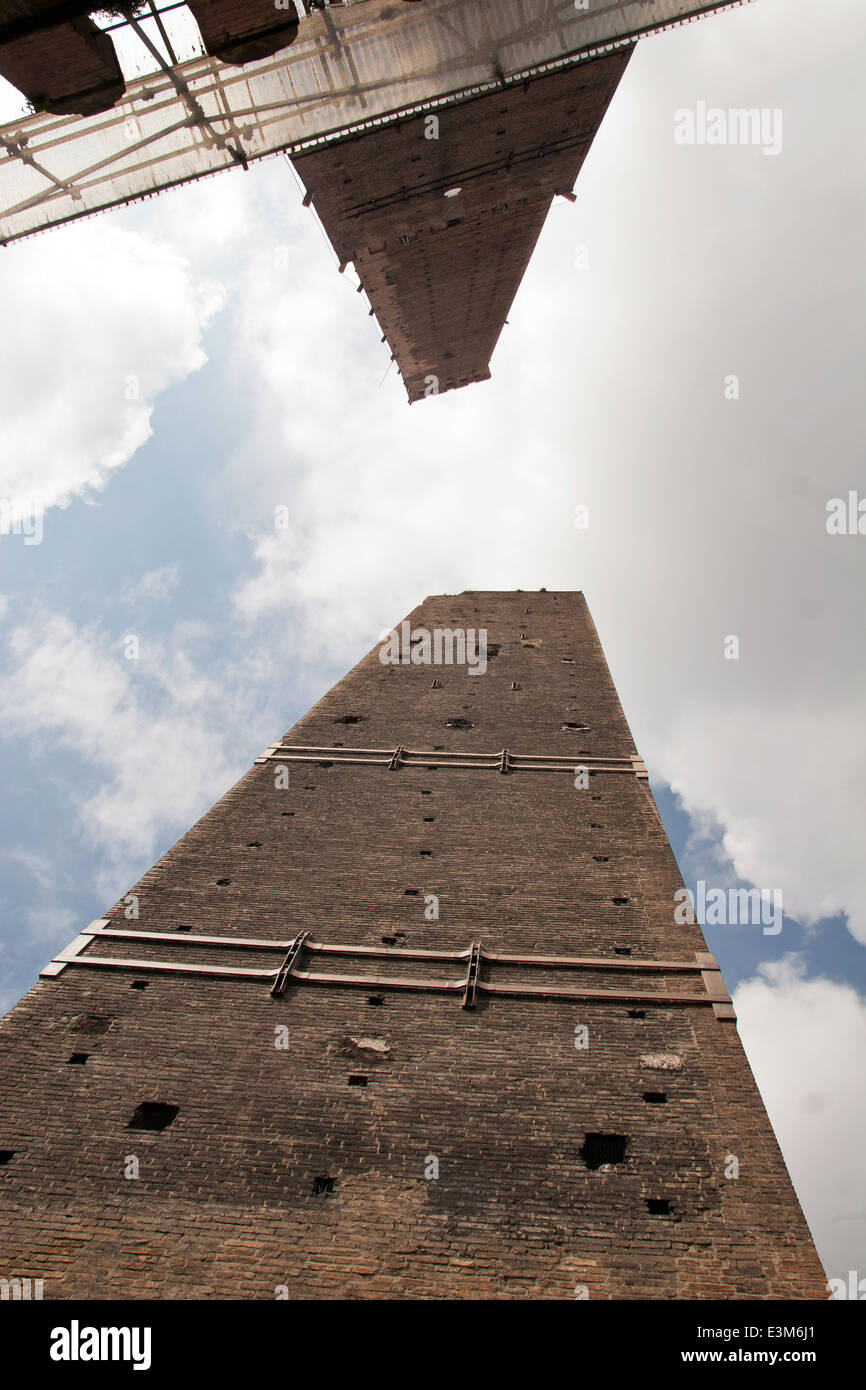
{"x":69,"y":68}
{"x":224,"y":1205}
{"x":239,"y":31}
{"x":441,"y":272}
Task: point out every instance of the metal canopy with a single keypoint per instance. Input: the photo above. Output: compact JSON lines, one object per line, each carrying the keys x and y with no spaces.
{"x":352,"y":66}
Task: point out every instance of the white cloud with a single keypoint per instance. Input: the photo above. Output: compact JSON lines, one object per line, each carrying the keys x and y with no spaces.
{"x":43,"y":919}
{"x":140,"y":723}
{"x":51,"y":924}
{"x":99,"y":321}
{"x":806,"y":1042}
{"x":786,"y":785}
{"x":155,"y":584}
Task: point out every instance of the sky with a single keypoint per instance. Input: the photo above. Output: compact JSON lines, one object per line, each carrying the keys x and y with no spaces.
{"x":684,"y":360}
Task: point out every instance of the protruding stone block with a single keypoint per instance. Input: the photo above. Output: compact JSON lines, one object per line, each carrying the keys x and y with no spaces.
{"x":68,"y":69}
{"x":239,"y":31}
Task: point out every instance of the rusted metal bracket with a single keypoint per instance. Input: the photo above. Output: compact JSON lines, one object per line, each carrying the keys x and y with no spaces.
{"x":72,"y":954}
{"x":504,"y":761}
{"x":471,"y":984}
{"x":288,"y":964}
{"x":473,"y":972}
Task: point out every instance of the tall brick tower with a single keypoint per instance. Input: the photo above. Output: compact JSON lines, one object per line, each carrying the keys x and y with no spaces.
{"x":406,"y":1014}
{"x":441,"y":230}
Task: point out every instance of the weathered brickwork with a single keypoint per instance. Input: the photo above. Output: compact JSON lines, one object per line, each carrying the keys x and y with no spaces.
{"x":238,"y":31}
{"x":441,"y":272}
{"x":499,"y":1096}
{"x":67,"y":68}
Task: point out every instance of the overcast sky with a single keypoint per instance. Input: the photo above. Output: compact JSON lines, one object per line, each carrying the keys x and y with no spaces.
{"x":173,"y":372}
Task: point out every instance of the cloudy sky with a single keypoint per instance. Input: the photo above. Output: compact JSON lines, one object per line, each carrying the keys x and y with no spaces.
{"x":173,"y":372}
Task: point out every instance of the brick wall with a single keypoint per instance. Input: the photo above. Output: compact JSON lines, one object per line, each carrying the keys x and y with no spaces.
{"x":238,"y":31}
{"x":68,"y":68}
{"x":224,"y":1205}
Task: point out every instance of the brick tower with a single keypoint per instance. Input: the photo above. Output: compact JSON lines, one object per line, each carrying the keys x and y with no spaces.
{"x":406,"y":1014}
{"x":440,"y":230}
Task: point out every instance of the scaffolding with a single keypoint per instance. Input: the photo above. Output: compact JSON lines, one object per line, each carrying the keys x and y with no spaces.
{"x":353,"y":66}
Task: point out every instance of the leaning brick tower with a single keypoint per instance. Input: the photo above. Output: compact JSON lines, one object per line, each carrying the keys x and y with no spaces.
{"x":407,"y":1014}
